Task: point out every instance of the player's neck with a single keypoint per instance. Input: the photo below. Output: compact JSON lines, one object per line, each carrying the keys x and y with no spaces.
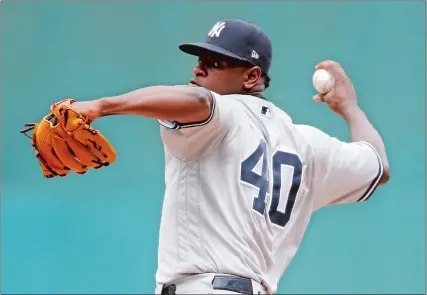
{"x":257,"y":91}
{"x":259,"y":94}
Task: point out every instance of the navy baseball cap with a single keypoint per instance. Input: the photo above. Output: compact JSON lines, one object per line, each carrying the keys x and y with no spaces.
{"x":237,"y":39}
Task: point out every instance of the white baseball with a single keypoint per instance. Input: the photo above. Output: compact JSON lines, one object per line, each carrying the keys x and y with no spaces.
{"x":323,"y":81}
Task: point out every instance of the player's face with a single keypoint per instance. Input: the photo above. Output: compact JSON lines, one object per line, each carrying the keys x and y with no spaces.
{"x":219,"y":74}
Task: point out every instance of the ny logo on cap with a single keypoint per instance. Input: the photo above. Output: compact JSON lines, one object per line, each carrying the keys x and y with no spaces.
{"x":216,"y":29}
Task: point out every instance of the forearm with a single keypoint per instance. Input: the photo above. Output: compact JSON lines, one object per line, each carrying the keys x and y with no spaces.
{"x":179,"y":103}
{"x":362,"y":130}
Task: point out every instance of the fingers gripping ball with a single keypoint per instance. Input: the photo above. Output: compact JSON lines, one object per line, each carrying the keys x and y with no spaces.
{"x":64,"y":140}
{"x":323,"y":81}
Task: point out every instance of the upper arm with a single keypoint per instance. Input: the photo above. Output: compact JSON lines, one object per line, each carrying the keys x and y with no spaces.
{"x":342,"y":172}
{"x":196,"y":138}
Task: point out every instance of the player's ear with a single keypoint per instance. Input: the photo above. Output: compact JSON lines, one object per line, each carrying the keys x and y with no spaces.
{"x":252,"y":76}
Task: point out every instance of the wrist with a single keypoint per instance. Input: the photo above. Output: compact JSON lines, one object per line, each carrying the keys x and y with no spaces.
{"x":102,"y":107}
{"x":94,"y":110}
{"x":352,"y":113}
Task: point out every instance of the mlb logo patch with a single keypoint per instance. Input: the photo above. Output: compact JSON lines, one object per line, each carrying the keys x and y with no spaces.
{"x":266,"y":111}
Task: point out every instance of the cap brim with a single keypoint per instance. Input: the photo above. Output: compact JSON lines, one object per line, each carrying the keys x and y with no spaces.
{"x":199,"y":49}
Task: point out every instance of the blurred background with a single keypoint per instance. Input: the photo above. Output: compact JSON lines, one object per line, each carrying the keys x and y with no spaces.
{"x":97,"y":233}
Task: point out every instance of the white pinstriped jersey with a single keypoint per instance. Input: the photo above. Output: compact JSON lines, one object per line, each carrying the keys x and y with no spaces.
{"x":241,"y":188}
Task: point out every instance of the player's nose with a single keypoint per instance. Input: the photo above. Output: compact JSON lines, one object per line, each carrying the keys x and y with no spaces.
{"x":199,"y":70}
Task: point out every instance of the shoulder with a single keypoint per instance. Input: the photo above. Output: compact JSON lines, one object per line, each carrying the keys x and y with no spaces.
{"x":232,"y":100}
{"x":231,"y":107}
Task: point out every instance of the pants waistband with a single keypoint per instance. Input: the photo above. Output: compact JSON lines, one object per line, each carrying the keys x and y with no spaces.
{"x":208,"y":283}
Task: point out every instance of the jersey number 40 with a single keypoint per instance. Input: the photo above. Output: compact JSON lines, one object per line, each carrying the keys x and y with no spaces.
{"x":262,"y":182}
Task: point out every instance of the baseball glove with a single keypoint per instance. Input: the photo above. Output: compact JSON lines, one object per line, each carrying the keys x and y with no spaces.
{"x":64,"y":140}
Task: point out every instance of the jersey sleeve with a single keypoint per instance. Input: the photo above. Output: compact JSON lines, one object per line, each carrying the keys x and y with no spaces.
{"x":342,"y":172}
{"x":198,"y":138}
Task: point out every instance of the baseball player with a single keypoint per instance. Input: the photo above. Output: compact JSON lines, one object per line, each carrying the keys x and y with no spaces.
{"x":242,"y":180}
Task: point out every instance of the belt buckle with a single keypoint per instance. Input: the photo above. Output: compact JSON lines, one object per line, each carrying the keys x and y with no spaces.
{"x":233,"y":284}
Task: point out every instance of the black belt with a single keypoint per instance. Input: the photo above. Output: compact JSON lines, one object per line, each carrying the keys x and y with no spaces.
{"x":227,"y":283}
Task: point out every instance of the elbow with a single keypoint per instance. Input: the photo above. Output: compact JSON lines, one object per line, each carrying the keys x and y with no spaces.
{"x":204,"y":100}
{"x":202,"y":104}
{"x":203,"y":97}
{"x":386,"y":175}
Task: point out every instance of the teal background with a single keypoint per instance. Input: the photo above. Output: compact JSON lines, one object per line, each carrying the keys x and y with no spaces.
{"x":97,"y":233}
